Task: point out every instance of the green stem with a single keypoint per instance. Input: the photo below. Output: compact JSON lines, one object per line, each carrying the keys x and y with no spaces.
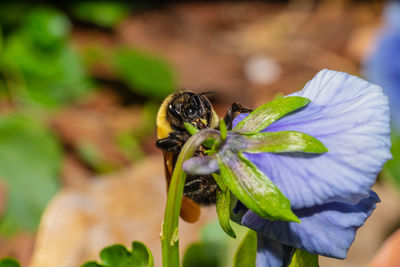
{"x":169,"y":235}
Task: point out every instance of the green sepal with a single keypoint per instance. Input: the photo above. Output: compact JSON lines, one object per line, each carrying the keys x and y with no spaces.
{"x":246,"y":253}
{"x":224,"y":206}
{"x":223,"y":211}
{"x":284,"y":141}
{"x":119,"y":256}
{"x":270,"y":112}
{"x":255,"y":190}
{"x":210,"y":143}
{"x":9,"y":262}
{"x":191,"y":128}
{"x":220,"y":181}
{"x":223,"y":129}
{"x":302,"y":258}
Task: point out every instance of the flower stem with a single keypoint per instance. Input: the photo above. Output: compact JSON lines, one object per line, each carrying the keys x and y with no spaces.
{"x":169,"y":235}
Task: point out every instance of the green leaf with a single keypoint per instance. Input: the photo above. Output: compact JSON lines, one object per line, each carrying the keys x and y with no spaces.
{"x":211,"y":251}
{"x":142,"y":255}
{"x":9,"y":262}
{"x":223,"y":211}
{"x":270,"y":112}
{"x":91,"y":264}
{"x":392,"y":167}
{"x":47,"y":27}
{"x":284,"y":141}
{"x":119,"y":256}
{"x":201,"y":254}
{"x":146,"y":74}
{"x":30,"y":159}
{"x":247,"y":251}
{"x":191,"y":128}
{"x":223,"y":129}
{"x":210,"y":143}
{"x":302,"y":258}
{"x":46,"y":76}
{"x":102,"y":13}
{"x":255,"y":190}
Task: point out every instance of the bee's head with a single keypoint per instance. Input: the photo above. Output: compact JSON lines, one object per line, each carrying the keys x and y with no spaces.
{"x":189,"y":107}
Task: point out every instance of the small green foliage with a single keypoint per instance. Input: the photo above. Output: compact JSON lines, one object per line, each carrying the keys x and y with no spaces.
{"x":190,"y":128}
{"x":120,"y":256}
{"x":246,"y":253}
{"x":201,"y":254}
{"x":392,"y":167}
{"x":302,"y":258}
{"x":284,"y":141}
{"x":38,"y":63}
{"x":270,"y":112}
{"x":223,"y":129}
{"x":9,"y":262}
{"x":210,"y":251}
{"x":46,"y":27}
{"x":102,"y":13}
{"x":146,"y":74}
{"x":30,"y":159}
{"x":130,"y":146}
{"x":253,"y":188}
{"x":223,"y":211}
{"x":90,"y":154}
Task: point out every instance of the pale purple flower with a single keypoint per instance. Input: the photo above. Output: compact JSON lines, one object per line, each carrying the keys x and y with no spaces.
{"x":330,"y":192}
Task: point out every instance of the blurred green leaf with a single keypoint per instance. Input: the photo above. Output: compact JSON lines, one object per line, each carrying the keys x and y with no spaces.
{"x":392,"y":167}
{"x":146,"y":74}
{"x":200,"y":255}
{"x":302,"y":258}
{"x":9,"y":262}
{"x":120,"y":256}
{"x":130,"y":146}
{"x":30,"y":159}
{"x":210,"y":251}
{"x":102,"y":13}
{"x":48,"y":77}
{"x":91,"y":155}
{"x":13,"y":13}
{"x":46,"y":27}
{"x":39,"y":64}
{"x":246,"y":253}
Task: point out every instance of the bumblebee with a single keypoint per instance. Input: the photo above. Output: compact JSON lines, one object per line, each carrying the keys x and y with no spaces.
{"x":196,"y":109}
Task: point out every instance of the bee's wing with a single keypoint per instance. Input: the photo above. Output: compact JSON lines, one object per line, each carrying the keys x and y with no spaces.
{"x":190,"y":211}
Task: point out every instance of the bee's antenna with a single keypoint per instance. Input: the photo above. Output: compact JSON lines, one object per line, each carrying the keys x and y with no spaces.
{"x":207,"y":93}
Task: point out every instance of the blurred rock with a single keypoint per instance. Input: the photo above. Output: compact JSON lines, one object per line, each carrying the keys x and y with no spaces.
{"x":388,"y":255}
{"x":117,"y":208}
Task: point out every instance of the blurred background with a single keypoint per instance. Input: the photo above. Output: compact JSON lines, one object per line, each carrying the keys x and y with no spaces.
{"x":80,"y":85}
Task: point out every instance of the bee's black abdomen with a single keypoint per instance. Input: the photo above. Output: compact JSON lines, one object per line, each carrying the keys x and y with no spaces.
{"x":201,"y":189}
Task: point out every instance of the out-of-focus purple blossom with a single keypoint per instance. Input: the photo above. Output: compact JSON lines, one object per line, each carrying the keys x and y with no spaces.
{"x":382,"y":66}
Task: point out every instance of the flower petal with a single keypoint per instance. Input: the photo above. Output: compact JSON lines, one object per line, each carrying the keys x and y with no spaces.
{"x":327,"y":229}
{"x":200,"y":165}
{"x":271,"y":253}
{"x":350,"y":117}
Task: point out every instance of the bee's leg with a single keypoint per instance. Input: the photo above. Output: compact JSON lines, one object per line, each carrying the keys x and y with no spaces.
{"x":173,"y":143}
{"x":232,"y":112}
